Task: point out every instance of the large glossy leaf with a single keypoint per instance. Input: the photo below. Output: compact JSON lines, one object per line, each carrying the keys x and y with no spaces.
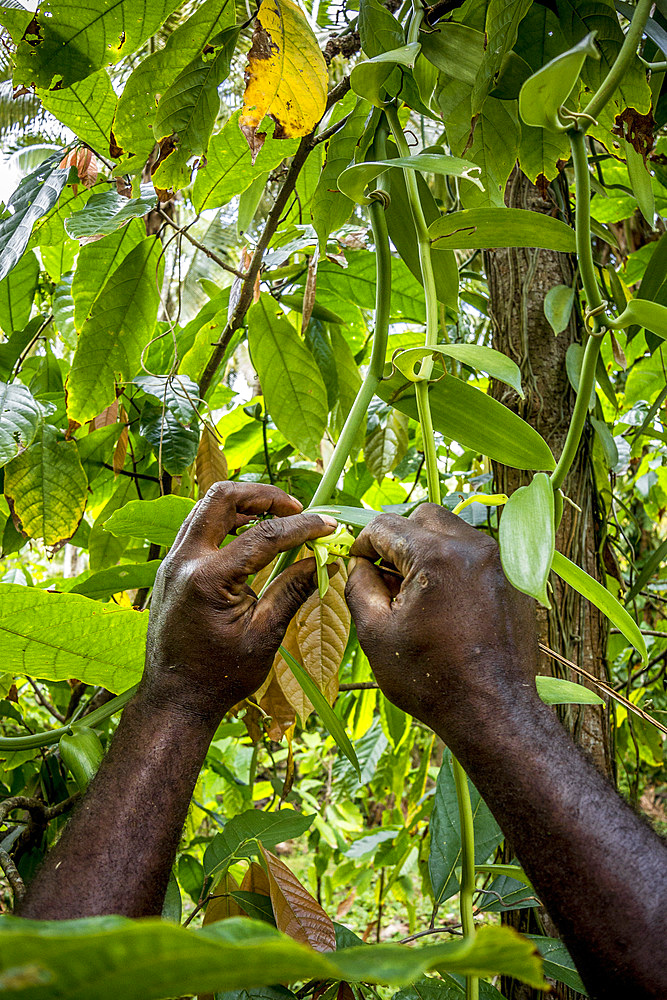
{"x":558,"y":962}
{"x":651,"y":315}
{"x":174,"y":444}
{"x":48,"y":487}
{"x":455,"y":49}
{"x":149,"y":959}
{"x":187,"y":113}
{"x":445,"y":854}
{"x":486,"y":228}
{"x":527,"y":537}
{"x":133,"y":127}
{"x":35,"y":195}
{"x":20,"y":417}
{"x":156,"y":521}
{"x":97,"y":262}
{"x":286,"y":74}
{"x":120,"y":324}
{"x":229,"y":169}
{"x":17,"y":291}
{"x":293,"y":388}
{"x":378,"y":28}
{"x":130,"y":576}
{"x":474,"y":419}
{"x":107,"y":212}
{"x":66,"y":43}
{"x":58,"y":636}
{"x":243,"y":833}
{"x":601,"y":598}
{"x":87,"y":108}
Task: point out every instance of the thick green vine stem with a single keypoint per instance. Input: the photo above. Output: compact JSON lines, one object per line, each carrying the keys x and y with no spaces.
{"x":46,"y":739}
{"x":466,"y":819}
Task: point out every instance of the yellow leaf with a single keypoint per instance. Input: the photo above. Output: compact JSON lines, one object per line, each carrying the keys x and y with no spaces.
{"x":221,"y":906}
{"x":322,"y":631}
{"x":211,"y":463}
{"x":297,"y":913}
{"x":286,"y":75}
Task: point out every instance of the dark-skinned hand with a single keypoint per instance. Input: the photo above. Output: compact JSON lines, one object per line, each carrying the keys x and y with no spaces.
{"x":447,"y":636}
{"x":211,"y":642}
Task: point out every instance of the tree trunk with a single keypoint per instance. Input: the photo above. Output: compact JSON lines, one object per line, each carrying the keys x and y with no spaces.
{"x":518,"y":281}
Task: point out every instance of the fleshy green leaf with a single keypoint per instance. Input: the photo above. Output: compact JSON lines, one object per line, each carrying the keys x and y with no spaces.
{"x":368,"y":79}
{"x":58,"y":636}
{"x":487,"y":228}
{"x":48,"y":487}
{"x":354,"y":180}
{"x":20,"y":417}
{"x":485,"y":359}
{"x":527,"y":537}
{"x":602,"y":599}
{"x":544,"y":92}
{"x":650,"y":315}
{"x":558,"y":304}
{"x":293,"y":388}
{"x":556,"y":691}
{"x":156,"y":521}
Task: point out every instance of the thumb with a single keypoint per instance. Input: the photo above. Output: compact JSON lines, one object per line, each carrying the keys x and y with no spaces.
{"x":284,"y":597}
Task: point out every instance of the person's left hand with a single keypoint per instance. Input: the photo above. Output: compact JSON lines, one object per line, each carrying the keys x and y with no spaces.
{"x":211,"y":643}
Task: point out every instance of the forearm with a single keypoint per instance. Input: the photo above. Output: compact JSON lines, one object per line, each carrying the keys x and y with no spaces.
{"x":599,"y":869}
{"x":117,"y":851}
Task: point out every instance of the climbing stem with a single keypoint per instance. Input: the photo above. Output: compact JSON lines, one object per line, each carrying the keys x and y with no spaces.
{"x":625,"y":56}
{"x":53,"y":735}
{"x":433,"y":485}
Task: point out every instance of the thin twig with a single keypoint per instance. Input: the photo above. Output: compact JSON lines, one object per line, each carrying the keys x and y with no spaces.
{"x":16,"y":883}
{"x":362,"y":686}
{"x":45,"y":703}
{"x":446,"y":929}
{"x":132,"y":475}
{"x":200,"y":246}
{"x":36,"y":808}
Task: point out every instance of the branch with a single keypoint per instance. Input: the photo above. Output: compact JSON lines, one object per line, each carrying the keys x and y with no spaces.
{"x":200,"y":246}
{"x":38,"y":810}
{"x":16,"y":883}
{"x":273,"y":220}
{"x":44,"y":702}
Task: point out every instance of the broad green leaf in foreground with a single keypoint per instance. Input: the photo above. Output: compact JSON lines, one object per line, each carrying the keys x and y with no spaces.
{"x":150,"y":959}
{"x":20,"y":417}
{"x":602,"y":599}
{"x":156,"y":521}
{"x":487,"y":228}
{"x":57,"y":636}
{"x":476,"y":420}
{"x":544,"y":93}
{"x":527,"y":537}
{"x":48,"y":487}
{"x":97,"y":262}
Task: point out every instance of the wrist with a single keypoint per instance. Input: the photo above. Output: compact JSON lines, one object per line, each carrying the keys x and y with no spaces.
{"x":171,"y":701}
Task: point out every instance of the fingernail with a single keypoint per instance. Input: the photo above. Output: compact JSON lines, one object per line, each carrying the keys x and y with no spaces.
{"x":295,"y":500}
{"x":330,"y":521}
{"x":352,"y":562}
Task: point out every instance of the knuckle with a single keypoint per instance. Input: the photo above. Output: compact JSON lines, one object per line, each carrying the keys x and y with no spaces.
{"x":220,"y":489}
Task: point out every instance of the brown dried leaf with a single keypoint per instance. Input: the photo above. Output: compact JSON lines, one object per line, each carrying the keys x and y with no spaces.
{"x":256,"y":880}
{"x":618,"y":352}
{"x":211,"y":464}
{"x":275,"y":704}
{"x":222,"y":906}
{"x":297,"y":913}
{"x":106,"y":417}
{"x":309,"y":291}
{"x":120,"y":451}
{"x":322,"y":631}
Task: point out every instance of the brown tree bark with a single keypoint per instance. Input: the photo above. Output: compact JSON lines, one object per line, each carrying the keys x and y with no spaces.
{"x":518,"y":281}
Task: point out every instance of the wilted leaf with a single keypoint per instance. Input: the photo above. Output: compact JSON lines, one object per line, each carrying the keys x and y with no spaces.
{"x":222,"y":906}
{"x":286,"y":75}
{"x":211,"y":464}
{"x":256,"y":880}
{"x":322,"y":630}
{"x":297,"y":913}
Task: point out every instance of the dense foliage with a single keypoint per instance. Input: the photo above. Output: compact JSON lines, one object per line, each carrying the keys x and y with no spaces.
{"x":280,"y":277}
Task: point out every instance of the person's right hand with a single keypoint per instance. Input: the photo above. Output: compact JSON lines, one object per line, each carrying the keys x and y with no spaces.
{"x":448,"y":638}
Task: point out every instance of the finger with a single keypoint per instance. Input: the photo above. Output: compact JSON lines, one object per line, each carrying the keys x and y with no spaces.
{"x":260,"y":544}
{"x":285,"y":596}
{"x":435,"y":518}
{"x":393,"y":539}
{"x":368,"y":596}
{"x":217,"y":513}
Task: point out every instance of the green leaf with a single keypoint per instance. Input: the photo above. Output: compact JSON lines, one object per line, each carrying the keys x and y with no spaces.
{"x":445,"y":854}
{"x":386,"y":442}
{"x":157,"y":521}
{"x":369,"y":79}
{"x":602,"y":599}
{"x":133,"y":127}
{"x":650,"y":315}
{"x":494,"y":148}
{"x":243,"y":833}
{"x":651,"y":566}
{"x":641,"y":182}
{"x":34,"y":197}
{"x":17,"y":291}
{"x":229,"y":169}
{"x":173,"y":443}
{"x":68,"y":43}
{"x":149,"y":959}
{"x":356,"y":284}
{"x":485,"y":359}
{"x":105,"y":213}
{"x":97,"y":262}
{"x":21,"y":416}
{"x":540,"y":149}
{"x":379,"y":30}
{"x":326,"y":713}
{"x":474,"y":419}
{"x":188,"y":111}
{"x":556,"y":691}
{"x":503,"y":18}
{"x":48,"y":487}
{"x":395,"y":722}
{"x":455,"y":49}
{"x":527,"y":538}
{"x":58,"y":636}
{"x":87,"y":108}
{"x":558,"y":962}
{"x":543,"y":93}
{"x":130,"y":576}
{"x":329,"y":208}
{"x":293,"y":388}
{"x":178,"y":393}
{"x":558,"y":304}
{"x":120,"y":324}
{"x":353,"y":181}
{"x":510,"y":871}
{"x":487,"y":228}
